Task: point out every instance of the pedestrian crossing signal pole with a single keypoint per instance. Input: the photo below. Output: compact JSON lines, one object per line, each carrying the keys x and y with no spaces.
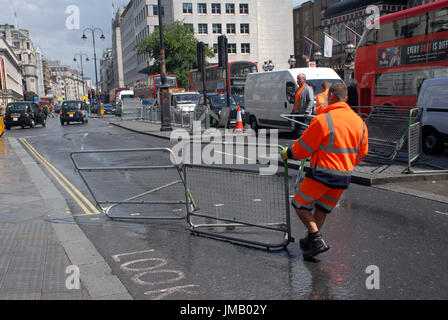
{"x":164,"y":99}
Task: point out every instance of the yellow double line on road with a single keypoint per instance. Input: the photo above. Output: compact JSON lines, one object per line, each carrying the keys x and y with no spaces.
{"x":79,"y":198}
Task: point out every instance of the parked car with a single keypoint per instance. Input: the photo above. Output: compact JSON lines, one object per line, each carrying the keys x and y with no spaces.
{"x":73,"y":110}
{"x":109,"y":108}
{"x":433,"y":102}
{"x":217,"y":103}
{"x":23,"y":114}
{"x":184,"y":101}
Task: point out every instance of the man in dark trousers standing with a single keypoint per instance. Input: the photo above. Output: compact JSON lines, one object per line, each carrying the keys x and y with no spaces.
{"x":353,"y":100}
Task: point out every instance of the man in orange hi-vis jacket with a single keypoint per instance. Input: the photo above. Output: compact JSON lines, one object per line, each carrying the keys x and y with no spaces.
{"x":322,"y":98}
{"x":336,"y":140}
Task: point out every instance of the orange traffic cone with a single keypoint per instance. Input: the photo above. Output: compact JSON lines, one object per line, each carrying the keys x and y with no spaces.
{"x":239,"y":127}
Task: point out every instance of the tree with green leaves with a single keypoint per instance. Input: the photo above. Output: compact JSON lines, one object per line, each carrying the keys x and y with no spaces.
{"x":180,"y":51}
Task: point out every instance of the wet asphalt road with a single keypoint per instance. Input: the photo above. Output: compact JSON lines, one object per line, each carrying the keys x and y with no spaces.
{"x":403,"y":236}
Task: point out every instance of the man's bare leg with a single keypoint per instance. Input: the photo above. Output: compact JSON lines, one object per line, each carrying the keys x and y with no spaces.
{"x":308,"y":220}
{"x":319,"y":217}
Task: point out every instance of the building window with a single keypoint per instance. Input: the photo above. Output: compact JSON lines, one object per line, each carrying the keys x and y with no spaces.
{"x":202,"y":8}
{"x":187,"y":8}
{"x":231,"y":29}
{"x":217,"y":28}
{"x":215,"y":48}
{"x":216,"y":8}
{"x":244,"y":28}
{"x":245,"y":48}
{"x":230,"y":8}
{"x":189,"y":26}
{"x":155,"y":10}
{"x":231,"y":48}
{"x":202,"y":28}
{"x":244,"y":8}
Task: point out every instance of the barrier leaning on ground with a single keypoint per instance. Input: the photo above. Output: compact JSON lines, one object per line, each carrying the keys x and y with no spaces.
{"x":232,"y":204}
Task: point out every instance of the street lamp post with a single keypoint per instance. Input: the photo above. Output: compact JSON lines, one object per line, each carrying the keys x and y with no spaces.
{"x":292,"y":61}
{"x":317,"y":57}
{"x":81,"y":55}
{"x":349,"y":49}
{"x":268,"y":66}
{"x":102,"y":37}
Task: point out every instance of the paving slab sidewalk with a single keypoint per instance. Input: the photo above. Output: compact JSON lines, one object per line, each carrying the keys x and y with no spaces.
{"x":39,"y":240}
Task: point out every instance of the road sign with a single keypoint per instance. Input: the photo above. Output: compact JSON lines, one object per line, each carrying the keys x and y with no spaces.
{"x":85,"y":98}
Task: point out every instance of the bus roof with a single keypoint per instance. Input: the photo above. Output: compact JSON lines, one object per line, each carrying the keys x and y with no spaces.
{"x":414,"y":11}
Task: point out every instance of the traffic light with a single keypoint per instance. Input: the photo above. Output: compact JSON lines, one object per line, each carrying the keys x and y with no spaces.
{"x":93,"y":94}
{"x":25,"y":96}
{"x":201,"y":55}
{"x":222,"y":51}
{"x":90,"y":95}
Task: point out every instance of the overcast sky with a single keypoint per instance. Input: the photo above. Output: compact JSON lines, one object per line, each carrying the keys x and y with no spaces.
{"x":46,"y":21}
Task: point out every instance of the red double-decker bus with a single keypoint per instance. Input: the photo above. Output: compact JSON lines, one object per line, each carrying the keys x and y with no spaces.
{"x":410,"y":46}
{"x":215,"y":78}
{"x":148,"y":87}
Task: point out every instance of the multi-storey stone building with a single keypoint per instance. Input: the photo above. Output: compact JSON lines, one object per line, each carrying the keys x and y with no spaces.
{"x":20,"y":41}
{"x":257,"y":30}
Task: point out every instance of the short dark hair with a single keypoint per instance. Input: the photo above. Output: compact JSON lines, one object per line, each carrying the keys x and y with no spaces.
{"x":326,"y":84}
{"x":339,"y":90}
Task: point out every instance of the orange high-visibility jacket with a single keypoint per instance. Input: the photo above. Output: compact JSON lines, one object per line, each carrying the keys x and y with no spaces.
{"x":336,"y":140}
{"x":322,"y":101}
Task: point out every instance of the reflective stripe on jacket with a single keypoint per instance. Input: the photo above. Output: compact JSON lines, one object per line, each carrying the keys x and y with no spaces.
{"x":336,"y":140}
{"x":321,"y":101}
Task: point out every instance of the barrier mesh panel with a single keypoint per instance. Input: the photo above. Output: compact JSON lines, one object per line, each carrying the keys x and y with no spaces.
{"x":235,"y":202}
{"x":388,"y":127}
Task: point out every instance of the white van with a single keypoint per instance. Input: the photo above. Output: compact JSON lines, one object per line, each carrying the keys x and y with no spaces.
{"x":267,"y":95}
{"x":433,"y":100}
{"x":124,"y":94}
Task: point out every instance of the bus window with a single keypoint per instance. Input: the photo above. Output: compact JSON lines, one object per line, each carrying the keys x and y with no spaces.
{"x":242,"y":69}
{"x":438,"y":21}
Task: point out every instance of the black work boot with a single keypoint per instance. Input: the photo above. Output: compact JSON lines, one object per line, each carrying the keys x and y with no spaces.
{"x":305,"y":242}
{"x":316,"y":245}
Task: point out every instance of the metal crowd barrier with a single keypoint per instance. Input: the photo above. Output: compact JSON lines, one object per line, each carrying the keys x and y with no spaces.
{"x":237,"y":205}
{"x":389,"y":128}
{"x":179,"y":118}
{"x":165,"y":182}
{"x":131,"y":109}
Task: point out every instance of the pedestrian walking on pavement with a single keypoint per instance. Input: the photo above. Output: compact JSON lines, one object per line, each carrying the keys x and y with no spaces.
{"x":336,"y":140}
{"x":304,"y":99}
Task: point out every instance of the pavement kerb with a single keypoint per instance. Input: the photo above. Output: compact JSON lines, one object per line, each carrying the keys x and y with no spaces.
{"x":141,"y":132}
{"x":95,"y":273}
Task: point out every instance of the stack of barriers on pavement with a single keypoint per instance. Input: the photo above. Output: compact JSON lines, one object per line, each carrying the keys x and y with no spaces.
{"x":391,"y":129}
{"x":179,"y":117}
{"x":213,"y":200}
